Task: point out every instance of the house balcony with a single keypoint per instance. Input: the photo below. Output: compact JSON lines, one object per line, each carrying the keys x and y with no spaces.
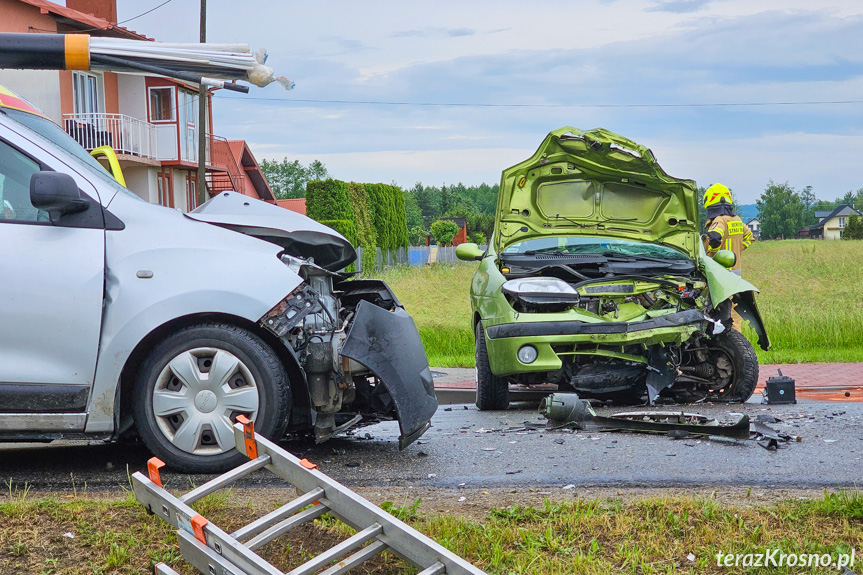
{"x":224,"y":170}
{"x":133,"y":140}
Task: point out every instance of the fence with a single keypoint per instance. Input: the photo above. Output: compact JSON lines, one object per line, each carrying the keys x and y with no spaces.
{"x":415,"y":256}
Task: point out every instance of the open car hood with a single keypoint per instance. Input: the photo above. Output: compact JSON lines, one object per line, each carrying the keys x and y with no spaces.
{"x":595,"y":183}
{"x":300,"y":236}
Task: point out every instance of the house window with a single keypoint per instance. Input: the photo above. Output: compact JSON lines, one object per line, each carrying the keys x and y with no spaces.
{"x":189,"y":125}
{"x":86,"y":95}
{"x":841,"y":223}
{"x":192,"y":190}
{"x":165,"y":187}
{"x":162,"y":104}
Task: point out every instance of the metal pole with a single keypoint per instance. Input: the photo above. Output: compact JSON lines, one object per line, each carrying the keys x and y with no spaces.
{"x":202,"y":120}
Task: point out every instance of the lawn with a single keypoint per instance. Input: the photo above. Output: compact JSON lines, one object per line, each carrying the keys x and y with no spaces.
{"x":811,"y":300}
{"x":643,"y":536}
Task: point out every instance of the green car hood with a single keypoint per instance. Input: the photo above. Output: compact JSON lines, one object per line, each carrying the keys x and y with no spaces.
{"x":595,"y":183}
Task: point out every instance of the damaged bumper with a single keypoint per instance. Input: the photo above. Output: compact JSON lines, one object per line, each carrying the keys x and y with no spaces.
{"x":550,"y":337}
{"x":388,"y":344}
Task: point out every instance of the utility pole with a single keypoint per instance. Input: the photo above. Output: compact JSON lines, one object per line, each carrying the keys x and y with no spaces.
{"x":202,"y":120}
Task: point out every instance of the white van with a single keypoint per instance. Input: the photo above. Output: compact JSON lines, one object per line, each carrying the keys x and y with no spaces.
{"x":120,"y":317}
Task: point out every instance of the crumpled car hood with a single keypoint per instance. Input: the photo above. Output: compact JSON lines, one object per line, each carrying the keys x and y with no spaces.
{"x":595,"y":183}
{"x":299,"y":235}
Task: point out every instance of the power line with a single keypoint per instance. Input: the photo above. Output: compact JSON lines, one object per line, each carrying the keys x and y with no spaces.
{"x":111,"y":24}
{"x":481,"y":105}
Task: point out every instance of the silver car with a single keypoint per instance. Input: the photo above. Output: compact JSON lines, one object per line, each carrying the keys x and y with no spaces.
{"x":120,"y":317}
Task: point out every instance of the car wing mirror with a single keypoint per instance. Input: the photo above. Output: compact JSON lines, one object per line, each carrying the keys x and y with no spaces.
{"x":57,"y":194}
{"x":468,"y":252}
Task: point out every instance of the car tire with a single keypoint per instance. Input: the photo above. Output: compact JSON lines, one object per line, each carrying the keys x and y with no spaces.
{"x":492,"y":392}
{"x":185,"y":418}
{"x":745,"y":362}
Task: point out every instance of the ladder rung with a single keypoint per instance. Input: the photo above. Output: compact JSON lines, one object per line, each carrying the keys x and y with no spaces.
{"x":436,"y":569}
{"x":225,"y":479}
{"x":286,"y":525}
{"x":274,"y":517}
{"x":356,"y":559}
{"x":338,"y":551}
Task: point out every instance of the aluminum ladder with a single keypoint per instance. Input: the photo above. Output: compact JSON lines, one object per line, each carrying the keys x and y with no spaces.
{"x":216,"y":552}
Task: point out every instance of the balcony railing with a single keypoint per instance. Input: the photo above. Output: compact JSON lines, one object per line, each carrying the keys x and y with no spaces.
{"x":127,"y":135}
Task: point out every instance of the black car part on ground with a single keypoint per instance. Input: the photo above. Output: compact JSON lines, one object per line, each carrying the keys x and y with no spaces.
{"x":569,"y":409}
{"x":387,"y":342}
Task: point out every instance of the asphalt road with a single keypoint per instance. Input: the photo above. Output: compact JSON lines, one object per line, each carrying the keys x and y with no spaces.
{"x":484,"y":449}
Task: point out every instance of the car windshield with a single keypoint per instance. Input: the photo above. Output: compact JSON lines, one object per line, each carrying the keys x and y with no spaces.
{"x":54,"y":134}
{"x":567,"y":245}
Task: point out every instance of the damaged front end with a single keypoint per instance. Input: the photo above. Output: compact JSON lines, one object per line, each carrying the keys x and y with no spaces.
{"x":359,"y":351}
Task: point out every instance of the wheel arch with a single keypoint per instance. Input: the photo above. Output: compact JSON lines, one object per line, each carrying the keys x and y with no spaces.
{"x":123,"y":421}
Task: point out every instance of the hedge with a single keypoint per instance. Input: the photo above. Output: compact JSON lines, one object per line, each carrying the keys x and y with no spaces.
{"x":387,"y":205}
{"x":375,"y":214}
{"x":328,"y":200}
{"x":366,"y":237}
{"x":344,"y":227}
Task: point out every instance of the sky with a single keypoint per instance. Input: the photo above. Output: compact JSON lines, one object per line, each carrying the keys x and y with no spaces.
{"x":494,"y":78}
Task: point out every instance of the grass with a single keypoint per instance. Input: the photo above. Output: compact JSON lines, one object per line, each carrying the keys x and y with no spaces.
{"x":649,"y":535}
{"x":810,"y":300}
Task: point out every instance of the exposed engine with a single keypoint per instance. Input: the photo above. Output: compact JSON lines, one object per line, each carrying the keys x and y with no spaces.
{"x":315,"y":320}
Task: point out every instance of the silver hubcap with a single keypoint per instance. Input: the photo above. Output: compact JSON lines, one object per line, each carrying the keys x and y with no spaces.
{"x":199,"y":395}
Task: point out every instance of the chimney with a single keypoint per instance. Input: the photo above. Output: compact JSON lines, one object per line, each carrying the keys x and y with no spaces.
{"x":105,"y":9}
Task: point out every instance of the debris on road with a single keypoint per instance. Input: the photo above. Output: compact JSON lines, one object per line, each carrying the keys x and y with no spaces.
{"x":570,"y":410}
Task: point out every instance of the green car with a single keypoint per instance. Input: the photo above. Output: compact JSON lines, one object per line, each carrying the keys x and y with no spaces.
{"x":595,"y":279}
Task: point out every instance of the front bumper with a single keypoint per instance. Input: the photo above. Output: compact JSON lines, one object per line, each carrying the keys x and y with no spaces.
{"x":388,"y":343}
{"x":504,"y":340}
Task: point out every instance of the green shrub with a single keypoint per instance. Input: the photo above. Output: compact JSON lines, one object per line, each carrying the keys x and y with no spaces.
{"x":477,"y":238}
{"x":444,"y":231}
{"x":363,"y":220}
{"x":328,"y":200}
{"x":418,"y":236}
{"x":387,"y":205}
{"x":344,"y":227}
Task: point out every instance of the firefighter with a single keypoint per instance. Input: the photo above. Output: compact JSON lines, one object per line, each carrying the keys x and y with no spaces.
{"x":725,"y":231}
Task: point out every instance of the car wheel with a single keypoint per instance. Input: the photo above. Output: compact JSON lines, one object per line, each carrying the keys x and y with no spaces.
{"x":744,"y":363}
{"x":193,"y":386}
{"x":492,"y":392}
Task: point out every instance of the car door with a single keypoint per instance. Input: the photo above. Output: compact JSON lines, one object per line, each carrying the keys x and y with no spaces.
{"x":51,"y":296}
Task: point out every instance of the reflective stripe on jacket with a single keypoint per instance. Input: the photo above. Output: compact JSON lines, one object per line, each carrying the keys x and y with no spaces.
{"x":736,"y":236}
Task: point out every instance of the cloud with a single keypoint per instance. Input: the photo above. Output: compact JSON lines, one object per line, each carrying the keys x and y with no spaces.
{"x":434,"y":33}
{"x":678,"y":6}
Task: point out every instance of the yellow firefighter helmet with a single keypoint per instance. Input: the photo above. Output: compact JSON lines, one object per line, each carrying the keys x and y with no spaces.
{"x":715,"y":194}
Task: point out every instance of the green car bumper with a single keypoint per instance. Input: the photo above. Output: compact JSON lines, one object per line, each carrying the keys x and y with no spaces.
{"x":555,"y":340}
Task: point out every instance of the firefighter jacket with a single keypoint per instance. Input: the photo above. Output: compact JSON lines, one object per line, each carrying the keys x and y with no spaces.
{"x":727,"y":233}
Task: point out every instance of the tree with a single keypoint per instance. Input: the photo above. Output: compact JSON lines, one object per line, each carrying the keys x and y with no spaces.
{"x":289,"y":179}
{"x":417,"y":236}
{"x":413,"y":213}
{"x":853,"y":228}
{"x":781,"y":211}
{"x":444,"y":231}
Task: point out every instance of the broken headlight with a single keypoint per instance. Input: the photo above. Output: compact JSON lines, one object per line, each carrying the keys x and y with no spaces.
{"x":540,"y":294}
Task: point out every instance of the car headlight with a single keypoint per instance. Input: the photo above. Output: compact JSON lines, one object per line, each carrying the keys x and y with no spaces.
{"x":543,"y":295}
{"x":538,"y":286}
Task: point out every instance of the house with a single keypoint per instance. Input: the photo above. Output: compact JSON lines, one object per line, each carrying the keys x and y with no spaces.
{"x":150,"y":121}
{"x":755,"y":226}
{"x":295,"y":205}
{"x":831,"y":224}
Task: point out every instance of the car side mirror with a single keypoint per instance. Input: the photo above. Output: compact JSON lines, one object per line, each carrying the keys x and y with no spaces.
{"x":57,"y":194}
{"x":468,"y":252}
{"x":725,"y":258}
